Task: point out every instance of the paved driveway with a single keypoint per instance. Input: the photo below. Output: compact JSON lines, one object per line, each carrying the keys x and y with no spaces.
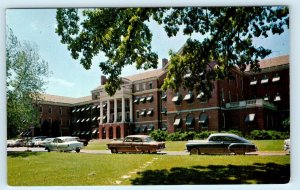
{"x":37,"y":149}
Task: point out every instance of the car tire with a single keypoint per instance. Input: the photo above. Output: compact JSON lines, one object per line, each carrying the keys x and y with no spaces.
{"x":77,"y":150}
{"x":194,"y":151}
{"x":239,"y":152}
{"x":114,"y":150}
{"x":48,"y":149}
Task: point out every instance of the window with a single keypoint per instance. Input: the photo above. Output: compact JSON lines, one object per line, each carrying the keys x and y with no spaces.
{"x":189,"y":97}
{"x":41,"y":109}
{"x":137,"y":129}
{"x":189,"y":122}
{"x":60,"y":111}
{"x":150,"y":112}
{"x":164,"y":127}
{"x":144,"y":86}
{"x":137,"y":114}
{"x":253,"y":81}
{"x":143,"y":99}
{"x":137,"y":87}
{"x":277,"y":98}
{"x":266,"y":97}
{"x":177,"y":124}
{"x":60,"y":122}
{"x":150,"y":128}
{"x":201,"y":96}
{"x":264,"y":80}
{"x":164,"y":111}
{"x":203,"y":120}
{"x":250,"y":118}
{"x":143,"y":112}
{"x":50,"y":121}
{"x":144,"y":128}
{"x":50,"y":109}
{"x":164,"y":96}
{"x":177,"y":98}
{"x":276,"y":78}
{"x":150,"y":85}
{"x":136,"y":100}
{"x":150,"y":98}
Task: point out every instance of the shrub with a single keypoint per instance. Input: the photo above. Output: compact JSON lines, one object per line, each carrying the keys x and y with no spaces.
{"x":236,"y":132}
{"x":174,"y":136}
{"x":159,"y":135}
{"x":268,"y":135}
{"x":204,"y":134}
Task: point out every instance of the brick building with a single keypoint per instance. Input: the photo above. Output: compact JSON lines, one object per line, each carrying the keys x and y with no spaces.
{"x":245,"y":101}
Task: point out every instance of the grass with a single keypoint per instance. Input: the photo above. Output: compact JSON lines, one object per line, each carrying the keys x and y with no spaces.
{"x":56,"y":168}
{"x":263,"y":145}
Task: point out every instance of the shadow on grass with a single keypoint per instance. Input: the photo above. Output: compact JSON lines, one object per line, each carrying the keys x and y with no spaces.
{"x":269,"y":173}
{"x":22,"y":154}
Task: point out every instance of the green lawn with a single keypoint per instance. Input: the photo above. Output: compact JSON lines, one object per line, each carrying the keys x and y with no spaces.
{"x":263,"y":145}
{"x":57,"y":168}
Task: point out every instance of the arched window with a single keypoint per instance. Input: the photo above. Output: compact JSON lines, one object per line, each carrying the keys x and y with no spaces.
{"x":190,"y":122}
{"x":177,"y":123}
{"x":203,"y":121}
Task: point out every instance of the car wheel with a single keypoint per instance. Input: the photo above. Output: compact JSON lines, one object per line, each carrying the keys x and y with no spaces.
{"x":48,"y":149}
{"x":114,"y":150}
{"x":239,"y":152}
{"x":194,"y":151}
{"x":77,"y":150}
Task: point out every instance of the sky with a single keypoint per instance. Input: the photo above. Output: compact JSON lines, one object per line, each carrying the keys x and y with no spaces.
{"x":68,"y":77}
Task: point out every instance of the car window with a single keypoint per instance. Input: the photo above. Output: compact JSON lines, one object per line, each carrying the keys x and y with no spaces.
{"x":148,"y":139}
{"x":128,"y":139}
{"x":137,"y":140}
{"x":216,"y":138}
{"x":231,"y":140}
{"x":55,"y":140}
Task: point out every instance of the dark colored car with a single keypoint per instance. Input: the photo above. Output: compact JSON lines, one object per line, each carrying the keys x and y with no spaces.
{"x":221,"y":143}
{"x":136,"y":143}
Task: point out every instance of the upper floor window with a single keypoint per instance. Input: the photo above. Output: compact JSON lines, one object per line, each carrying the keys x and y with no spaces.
{"x":50,"y":109}
{"x":276,"y":78}
{"x":137,"y":87}
{"x":150,"y":85}
{"x":60,"y":111}
{"x":41,"y":109}
{"x":144,"y":86}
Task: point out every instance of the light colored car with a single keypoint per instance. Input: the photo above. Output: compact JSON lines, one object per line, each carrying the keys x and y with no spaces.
{"x":136,"y":143}
{"x":287,"y":145}
{"x":221,"y":143}
{"x":16,"y":143}
{"x":46,"y":141}
{"x":64,"y":144}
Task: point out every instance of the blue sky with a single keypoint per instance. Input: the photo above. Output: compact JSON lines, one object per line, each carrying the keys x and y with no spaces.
{"x":68,"y":77}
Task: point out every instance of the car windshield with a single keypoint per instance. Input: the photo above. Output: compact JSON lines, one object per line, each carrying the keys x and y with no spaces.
{"x":69,"y":139}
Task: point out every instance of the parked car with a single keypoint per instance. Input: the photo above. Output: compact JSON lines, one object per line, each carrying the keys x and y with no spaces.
{"x":64,"y":144}
{"x":16,"y":143}
{"x":287,"y":145}
{"x":46,"y":141}
{"x":136,"y":143}
{"x":33,"y":140}
{"x":221,"y":143}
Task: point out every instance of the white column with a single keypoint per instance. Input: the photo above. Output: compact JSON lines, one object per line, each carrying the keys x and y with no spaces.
{"x":130,"y":109}
{"x":101,"y":112}
{"x":115,"y":110}
{"x":123,"y":109}
{"x":108,"y":111}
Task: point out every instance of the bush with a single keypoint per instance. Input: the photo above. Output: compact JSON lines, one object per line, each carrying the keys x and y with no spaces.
{"x":236,"y":132}
{"x":159,"y":135}
{"x":268,"y":135}
{"x":204,"y":134}
{"x":174,"y":136}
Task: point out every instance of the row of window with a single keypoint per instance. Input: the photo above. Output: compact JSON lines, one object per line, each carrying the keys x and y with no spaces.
{"x":85,"y":108}
{"x":86,"y":120}
{"x":144,"y":112}
{"x":189,"y":97}
{"x":143,"y":128}
{"x":265,"y":80}
{"x":277,"y":98}
{"x":143,"y":99}
{"x":190,"y":121}
{"x":60,"y":110}
{"x":143,"y":87}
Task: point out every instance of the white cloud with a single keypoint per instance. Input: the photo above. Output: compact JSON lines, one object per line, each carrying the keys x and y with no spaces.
{"x":61,"y":82}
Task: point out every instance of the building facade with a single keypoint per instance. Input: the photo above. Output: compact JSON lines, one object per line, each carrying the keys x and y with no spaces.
{"x":245,"y":101}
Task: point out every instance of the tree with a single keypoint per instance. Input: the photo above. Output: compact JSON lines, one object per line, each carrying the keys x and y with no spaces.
{"x":26,"y":73}
{"x":125,"y":38}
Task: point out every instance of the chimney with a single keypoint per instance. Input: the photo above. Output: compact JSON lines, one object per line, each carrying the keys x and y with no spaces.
{"x":164,"y":62}
{"x":103,"y":79}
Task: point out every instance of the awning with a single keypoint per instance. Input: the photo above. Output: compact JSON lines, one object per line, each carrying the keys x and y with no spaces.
{"x":203,"y":118}
{"x":143,"y":113}
{"x":201,"y":95}
{"x":177,"y":122}
{"x":82,"y":109}
{"x":98,"y":106}
{"x":94,"y":118}
{"x":150,"y":128}
{"x":74,"y":133}
{"x":187,"y":75}
{"x":188,"y":97}
{"x":264,"y":81}
{"x":164,"y":97}
{"x":143,"y":99}
{"x":164,"y":111}
{"x":87,"y":108}
{"x":100,"y":118}
{"x":78,"y":110}
{"x":276,"y":79}
{"x":104,"y":105}
{"x":78,"y":120}
{"x":143,"y":128}
{"x":95,"y":131}
{"x":189,"y":121}
{"x":88,"y":132}
{"x":149,"y":98}
{"x":266,"y":98}
{"x":150,"y":112}
{"x":175,"y":98}
{"x":136,"y":100}
{"x":87,"y":119}
{"x":82,"y":120}
{"x":104,"y":118}
{"x":277,"y":98}
{"x":73,"y":110}
{"x":94,"y":107}
{"x":250,"y":118}
{"x":83,"y":132}
{"x":78,"y":133}
{"x":253,"y":82}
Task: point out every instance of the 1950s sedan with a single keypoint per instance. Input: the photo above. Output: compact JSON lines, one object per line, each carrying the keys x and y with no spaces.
{"x":221,"y":143}
{"x":64,"y":144}
{"x":136,"y":143}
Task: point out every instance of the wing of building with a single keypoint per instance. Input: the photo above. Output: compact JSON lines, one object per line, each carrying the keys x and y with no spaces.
{"x":244,"y":102}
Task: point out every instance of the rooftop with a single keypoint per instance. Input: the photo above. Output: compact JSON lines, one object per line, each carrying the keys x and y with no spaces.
{"x":64,"y":99}
{"x":273,"y":62}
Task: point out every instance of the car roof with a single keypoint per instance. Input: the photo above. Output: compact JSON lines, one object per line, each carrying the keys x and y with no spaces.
{"x":228,"y":135}
{"x":138,"y":136}
{"x":66,"y":137}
